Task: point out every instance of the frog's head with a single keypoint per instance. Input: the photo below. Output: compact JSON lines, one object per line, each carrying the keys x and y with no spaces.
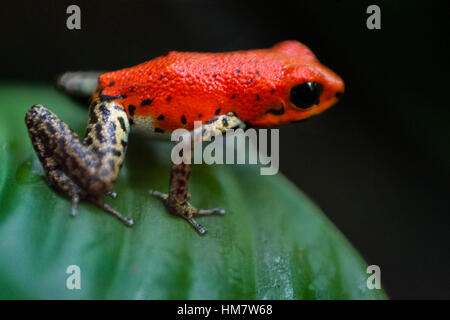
{"x":306,"y":87}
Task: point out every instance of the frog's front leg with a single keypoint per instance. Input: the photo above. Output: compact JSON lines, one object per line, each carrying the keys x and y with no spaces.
{"x":177,"y":199}
{"x":82,"y":169}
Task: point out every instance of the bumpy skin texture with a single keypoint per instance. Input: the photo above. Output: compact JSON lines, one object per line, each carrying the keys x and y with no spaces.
{"x":223,"y":90}
{"x":176,"y":89}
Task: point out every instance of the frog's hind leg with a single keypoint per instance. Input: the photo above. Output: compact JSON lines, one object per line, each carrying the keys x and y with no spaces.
{"x":56,"y":177}
{"x":177,"y":199}
{"x":82,"y":169}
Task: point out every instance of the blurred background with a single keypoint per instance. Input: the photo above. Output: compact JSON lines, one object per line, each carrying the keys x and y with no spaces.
{"x":378,"y":163}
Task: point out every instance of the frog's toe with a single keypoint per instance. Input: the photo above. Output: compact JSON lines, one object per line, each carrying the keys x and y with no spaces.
{"x":112,"y":194}
{"x":218,"y":211}
{"x":159,"y":195}
{"x":197,"y":226}
{"x":75,"y":202}
{"x":116,"y":214}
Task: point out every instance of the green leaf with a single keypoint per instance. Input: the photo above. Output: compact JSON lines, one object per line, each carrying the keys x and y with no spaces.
{"x":274,"y":243}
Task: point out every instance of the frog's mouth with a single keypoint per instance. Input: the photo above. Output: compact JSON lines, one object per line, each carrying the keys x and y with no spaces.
{"x":277,"y":112}
{"x":276,"y":115}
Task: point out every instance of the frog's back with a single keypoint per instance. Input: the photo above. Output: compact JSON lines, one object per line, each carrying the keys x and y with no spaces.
{"x":174,"y":90}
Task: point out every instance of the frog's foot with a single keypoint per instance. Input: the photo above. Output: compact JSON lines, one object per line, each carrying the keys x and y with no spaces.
{"x":186,"y":210}
{"x":177,"y":199}
{"x":65,"y":185}
{"x":99,"y":203}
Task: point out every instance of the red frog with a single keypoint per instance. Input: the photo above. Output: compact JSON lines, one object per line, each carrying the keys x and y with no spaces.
{"x":263,"y":88}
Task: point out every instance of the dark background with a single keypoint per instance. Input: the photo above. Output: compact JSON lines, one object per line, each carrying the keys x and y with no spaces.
{"x":378,"y":163}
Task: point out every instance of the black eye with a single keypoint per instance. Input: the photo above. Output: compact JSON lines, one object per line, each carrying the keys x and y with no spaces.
{"x":306,"y":94}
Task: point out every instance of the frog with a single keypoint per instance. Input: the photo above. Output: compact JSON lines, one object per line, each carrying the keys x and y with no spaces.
{"x":260,"y":88}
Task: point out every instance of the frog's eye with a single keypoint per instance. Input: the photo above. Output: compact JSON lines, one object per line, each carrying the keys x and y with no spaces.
{"x":306,"y":94}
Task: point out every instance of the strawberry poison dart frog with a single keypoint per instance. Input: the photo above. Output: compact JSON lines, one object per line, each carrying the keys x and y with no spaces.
{"x":260,"y":88}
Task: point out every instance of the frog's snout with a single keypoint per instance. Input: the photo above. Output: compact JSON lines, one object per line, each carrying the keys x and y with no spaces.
{"x":339,"y":88}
